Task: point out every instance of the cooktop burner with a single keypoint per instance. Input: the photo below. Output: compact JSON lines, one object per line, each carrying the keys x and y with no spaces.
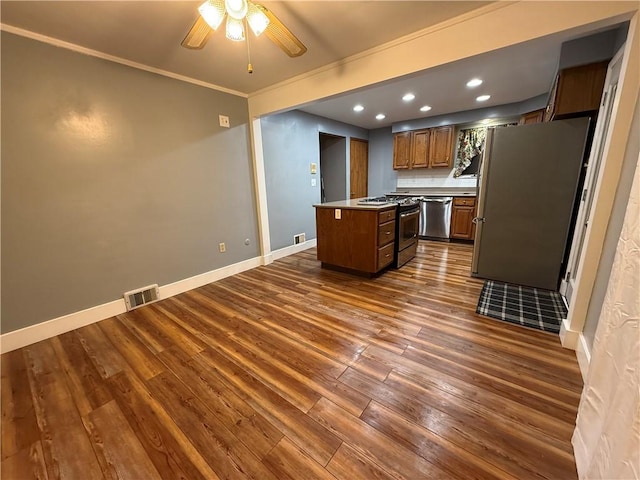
{"x":375,"y":201}
{"x":398,"y":200}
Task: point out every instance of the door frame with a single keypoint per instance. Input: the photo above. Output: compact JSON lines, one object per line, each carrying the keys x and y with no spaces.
{"x":587,"y":196}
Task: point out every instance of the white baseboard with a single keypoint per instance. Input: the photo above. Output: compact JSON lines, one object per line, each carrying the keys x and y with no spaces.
{"x":267,"y":259}
{"x":583,"y":353}
{"x":568,"y":337}
{"x":291,"y":249}
{"x":187,"y":284}
{"x":50,"y":328}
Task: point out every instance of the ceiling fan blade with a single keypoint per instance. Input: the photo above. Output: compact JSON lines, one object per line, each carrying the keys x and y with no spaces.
{"x":281,"y":35}
{"x":198,"y":35}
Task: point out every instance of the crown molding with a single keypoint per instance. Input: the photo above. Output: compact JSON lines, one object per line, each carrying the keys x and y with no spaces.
{"x":112,"y":58}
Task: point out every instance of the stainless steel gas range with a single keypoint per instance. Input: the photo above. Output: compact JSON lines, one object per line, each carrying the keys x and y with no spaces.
{"x":407,"y":224}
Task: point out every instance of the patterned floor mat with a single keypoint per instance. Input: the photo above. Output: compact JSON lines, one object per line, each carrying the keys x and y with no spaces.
{"x":530,"y":307}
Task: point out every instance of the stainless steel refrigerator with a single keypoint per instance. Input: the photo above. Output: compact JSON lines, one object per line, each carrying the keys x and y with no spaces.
{"x":526,"y":196}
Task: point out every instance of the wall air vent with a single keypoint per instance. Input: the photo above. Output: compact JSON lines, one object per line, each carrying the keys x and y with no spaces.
{"x":300,"y":238}
{"x":140,"y":297}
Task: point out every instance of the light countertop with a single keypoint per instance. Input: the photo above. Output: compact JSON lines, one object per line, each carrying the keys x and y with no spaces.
{"x":353,"y":204}
{"x":436,"y":192}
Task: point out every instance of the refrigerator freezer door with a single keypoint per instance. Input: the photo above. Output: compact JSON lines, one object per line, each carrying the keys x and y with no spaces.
{"x":528,"y":190}
{"x":480,"y":189}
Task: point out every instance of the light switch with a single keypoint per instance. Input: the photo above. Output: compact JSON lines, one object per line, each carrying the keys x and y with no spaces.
{"x":313,"y":168}
{"x":313,"y":182}
{"x":224,"y":121}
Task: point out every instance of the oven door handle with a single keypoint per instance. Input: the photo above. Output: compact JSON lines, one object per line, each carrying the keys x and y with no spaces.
{"x":408,"y":214}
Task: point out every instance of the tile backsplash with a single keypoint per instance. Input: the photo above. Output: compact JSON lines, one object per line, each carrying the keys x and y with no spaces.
{"x":432,"y":178}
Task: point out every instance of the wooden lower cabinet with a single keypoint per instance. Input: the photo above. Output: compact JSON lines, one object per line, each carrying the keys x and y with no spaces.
{"x":462,"y":214}
{"x":361,"y":240}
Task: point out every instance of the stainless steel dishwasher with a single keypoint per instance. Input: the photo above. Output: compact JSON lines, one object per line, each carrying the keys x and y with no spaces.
{"x":435,"y":217}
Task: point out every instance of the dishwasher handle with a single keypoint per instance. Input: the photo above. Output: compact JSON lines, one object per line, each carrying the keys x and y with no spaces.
{"x":437,"y":200}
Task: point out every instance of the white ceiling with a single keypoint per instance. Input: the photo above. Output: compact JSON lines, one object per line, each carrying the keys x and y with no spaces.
{"x":150,"y":32}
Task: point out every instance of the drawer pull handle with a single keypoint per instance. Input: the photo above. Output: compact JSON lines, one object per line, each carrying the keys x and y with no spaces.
{"x":387,"y":255}
{"x":387,"y":233}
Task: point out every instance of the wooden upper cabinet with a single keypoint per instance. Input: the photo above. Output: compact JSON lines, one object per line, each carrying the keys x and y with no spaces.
{"x":577,"y":90}
{"x":420,"y":149}
{"x":536,"y":116}
{"x":431,"y":147}
{"x":402,"y":150}
{"x":441,"y":147}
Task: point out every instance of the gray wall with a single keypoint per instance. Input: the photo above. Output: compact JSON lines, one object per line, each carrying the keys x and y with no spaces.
{"x":382,"y":176}
{"x":333,"y":167}
{"x":593,"y":48}
{"x":112,"y":179}
{"x":290,"y":144}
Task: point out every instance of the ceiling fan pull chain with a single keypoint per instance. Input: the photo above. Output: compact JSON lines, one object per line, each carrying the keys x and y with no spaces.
{"x":249,"y":66}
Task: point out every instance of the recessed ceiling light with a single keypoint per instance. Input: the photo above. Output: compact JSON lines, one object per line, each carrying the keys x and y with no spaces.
{"x":486,"y":120}
{"x":408,"y":97}
{"x":426,"y":108}
{"x":474,"y":82}
{"x":358,"y":108}
{"x":380,"y":116}
{"x":483,"y":98}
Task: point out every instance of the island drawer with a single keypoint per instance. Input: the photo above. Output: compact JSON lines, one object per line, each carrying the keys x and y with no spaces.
{"x":386,"y":216}
{"x":386,"y":233}
{"x":385,"y":256}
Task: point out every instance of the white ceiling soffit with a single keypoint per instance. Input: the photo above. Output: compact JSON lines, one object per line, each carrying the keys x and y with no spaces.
{"x":150,"y":32}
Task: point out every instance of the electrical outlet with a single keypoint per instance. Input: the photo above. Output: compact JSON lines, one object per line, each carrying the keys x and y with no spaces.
{"x":224,"y":121}
{"x":337,"y":214}
{"x":313,"y":182}
{"x":222,"y":247}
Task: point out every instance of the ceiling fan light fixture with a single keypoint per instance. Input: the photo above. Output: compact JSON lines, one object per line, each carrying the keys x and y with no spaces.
{"x":213,"y":12}
{"x":256,"y":19}
{"x":235,"y":29}
{"x":236,"y":8}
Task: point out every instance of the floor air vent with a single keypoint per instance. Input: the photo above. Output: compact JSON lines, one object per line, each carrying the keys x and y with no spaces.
{"x":300,"y":238}
{"x":140,"y":297}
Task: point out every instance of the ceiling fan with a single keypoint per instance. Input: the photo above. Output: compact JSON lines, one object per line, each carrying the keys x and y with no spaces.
{"x":240,"y":13}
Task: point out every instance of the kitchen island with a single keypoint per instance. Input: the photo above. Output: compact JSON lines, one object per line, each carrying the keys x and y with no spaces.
{"x":354,"y":236}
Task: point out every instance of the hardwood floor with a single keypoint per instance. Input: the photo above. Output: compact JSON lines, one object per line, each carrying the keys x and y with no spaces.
{"x":290,"y":371}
